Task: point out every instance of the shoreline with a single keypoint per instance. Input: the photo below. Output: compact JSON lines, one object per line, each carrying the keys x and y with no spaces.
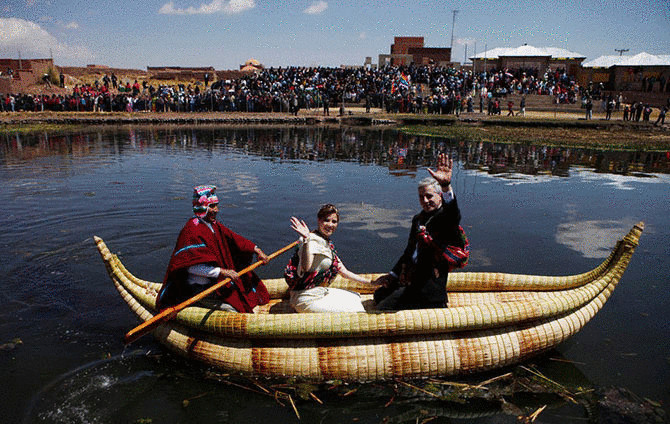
{"x":312,"y":116}
{"x":568,"y":129}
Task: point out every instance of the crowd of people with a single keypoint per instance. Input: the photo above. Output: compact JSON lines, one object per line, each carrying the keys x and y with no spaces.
{"x":635,"y":112}
{"x":413,"y":89}
{"x":393,"y":89}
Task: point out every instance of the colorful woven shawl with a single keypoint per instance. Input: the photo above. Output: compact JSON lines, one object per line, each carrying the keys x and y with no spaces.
{"x":310,"y":279}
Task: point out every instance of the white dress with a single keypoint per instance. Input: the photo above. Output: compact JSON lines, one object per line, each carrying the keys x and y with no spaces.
{"x":322,"y":299}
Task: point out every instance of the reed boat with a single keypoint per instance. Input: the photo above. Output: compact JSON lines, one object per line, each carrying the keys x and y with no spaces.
{"x":492,"y":320}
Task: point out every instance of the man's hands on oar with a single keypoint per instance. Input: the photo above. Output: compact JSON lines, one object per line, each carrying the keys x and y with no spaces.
{"x":171,"y":312}
{"x":261,"y":255}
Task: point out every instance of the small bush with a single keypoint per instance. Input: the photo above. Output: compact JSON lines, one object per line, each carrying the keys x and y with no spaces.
{"x":54,"y":77}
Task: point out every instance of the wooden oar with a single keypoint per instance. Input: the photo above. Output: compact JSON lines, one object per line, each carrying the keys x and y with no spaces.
{"x":171,"y":312}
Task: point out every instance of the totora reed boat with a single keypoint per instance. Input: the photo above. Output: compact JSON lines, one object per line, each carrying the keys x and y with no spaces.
{"x":493,"y":320}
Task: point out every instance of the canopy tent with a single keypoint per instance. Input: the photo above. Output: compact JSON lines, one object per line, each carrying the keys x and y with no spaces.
{"x":640,"y":59}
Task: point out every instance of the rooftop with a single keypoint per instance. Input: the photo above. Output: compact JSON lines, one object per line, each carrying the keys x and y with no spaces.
{"x":640,"y":59}
{"x":527,"y":51}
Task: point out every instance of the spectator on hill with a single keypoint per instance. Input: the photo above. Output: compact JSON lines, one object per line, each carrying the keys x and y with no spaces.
{"x":638,"y":111}
{"x":661,"y":116}
{"x":589,"y":109}
{"x":609,"y":109}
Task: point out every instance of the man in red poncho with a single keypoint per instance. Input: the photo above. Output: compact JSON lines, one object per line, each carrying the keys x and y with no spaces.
{"x":207,"y":252}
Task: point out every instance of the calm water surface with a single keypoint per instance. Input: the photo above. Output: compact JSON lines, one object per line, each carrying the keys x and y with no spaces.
{"x":529,"y":210}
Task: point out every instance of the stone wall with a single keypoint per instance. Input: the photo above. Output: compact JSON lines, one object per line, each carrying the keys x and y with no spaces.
{"x":181,"y":74}
{"x":80,"y":71}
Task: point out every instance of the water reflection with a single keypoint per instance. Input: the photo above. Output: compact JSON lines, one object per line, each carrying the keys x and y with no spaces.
{"x":401,"y":154}
{"x":368,"y":217}
{"x":591,"y":238}
{"x":130,"y":185}
{"x":505,"y":159}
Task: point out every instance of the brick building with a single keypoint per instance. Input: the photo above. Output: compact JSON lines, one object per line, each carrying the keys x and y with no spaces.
{"x":18,"y":74}
{"x":408,"y":50}
{"x":430,"y":55}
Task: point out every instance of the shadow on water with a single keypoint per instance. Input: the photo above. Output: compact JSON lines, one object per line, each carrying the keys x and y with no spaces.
{"x":141,"y":387}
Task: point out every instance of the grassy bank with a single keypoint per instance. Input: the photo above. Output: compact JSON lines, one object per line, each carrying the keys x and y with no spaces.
{"x":36,"y":128}
{"x":536,"y":128}
{"x":550,"y":132}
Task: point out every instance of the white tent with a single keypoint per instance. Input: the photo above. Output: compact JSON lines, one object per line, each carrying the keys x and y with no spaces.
{"x":527,"y":51}
{"x":640,"y":59}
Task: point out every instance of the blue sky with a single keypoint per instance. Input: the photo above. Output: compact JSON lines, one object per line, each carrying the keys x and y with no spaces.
{"x":225,"y":33}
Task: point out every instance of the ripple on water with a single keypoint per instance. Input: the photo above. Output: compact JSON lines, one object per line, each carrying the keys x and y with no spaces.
{"x":92,"y":393}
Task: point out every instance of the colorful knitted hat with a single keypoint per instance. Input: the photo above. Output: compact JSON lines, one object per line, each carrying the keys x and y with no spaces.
{"x":203,"y":196}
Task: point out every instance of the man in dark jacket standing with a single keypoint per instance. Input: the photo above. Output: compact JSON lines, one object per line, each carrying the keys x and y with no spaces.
{"x":436,"y":245}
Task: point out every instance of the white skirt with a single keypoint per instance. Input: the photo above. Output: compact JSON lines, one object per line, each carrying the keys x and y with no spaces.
{"x":326,"y":299}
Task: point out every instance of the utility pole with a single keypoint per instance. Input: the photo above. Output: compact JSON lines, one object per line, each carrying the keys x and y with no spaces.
{"x":621,"y":51}
{"x":474,"y":69}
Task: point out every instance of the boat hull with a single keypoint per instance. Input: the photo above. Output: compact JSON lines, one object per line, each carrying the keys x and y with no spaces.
{"x":493,"y":320}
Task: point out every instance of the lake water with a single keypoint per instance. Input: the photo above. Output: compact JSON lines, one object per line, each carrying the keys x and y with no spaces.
{"x":529,"y":210}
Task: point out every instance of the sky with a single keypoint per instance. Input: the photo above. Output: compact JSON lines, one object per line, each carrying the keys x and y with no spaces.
{"x":226,"y":33}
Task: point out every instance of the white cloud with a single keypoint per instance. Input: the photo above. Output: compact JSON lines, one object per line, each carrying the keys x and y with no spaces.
{"x":316,"y":8}
{"x":33,"y":41}
{"x":71,"y":25}
{"x":465,"y":41}
{"x":229,"y":7}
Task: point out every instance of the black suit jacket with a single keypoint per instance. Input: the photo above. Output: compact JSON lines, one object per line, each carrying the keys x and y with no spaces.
{"x":427,"y":271}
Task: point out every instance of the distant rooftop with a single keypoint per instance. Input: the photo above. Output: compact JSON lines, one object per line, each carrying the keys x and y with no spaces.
{"x":641,"y":59}
{"x":527,"y":51}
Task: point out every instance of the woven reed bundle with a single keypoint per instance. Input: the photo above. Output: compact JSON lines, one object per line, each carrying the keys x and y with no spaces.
{"x":482,"y":281}
{"x":373,"y":358}
{"x":332,"y":325}
{"x":493,"y":310}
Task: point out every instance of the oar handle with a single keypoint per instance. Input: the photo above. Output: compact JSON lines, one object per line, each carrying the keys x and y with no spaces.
{"x":171,"y":312}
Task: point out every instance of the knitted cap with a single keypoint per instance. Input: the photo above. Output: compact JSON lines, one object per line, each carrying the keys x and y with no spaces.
{"x":203,"y":196}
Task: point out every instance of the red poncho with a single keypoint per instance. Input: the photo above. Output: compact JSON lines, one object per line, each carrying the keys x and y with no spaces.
{"x":197,"y":244}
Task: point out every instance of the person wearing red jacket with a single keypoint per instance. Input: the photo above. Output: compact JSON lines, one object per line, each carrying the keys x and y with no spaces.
{"x":207,"y":252}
